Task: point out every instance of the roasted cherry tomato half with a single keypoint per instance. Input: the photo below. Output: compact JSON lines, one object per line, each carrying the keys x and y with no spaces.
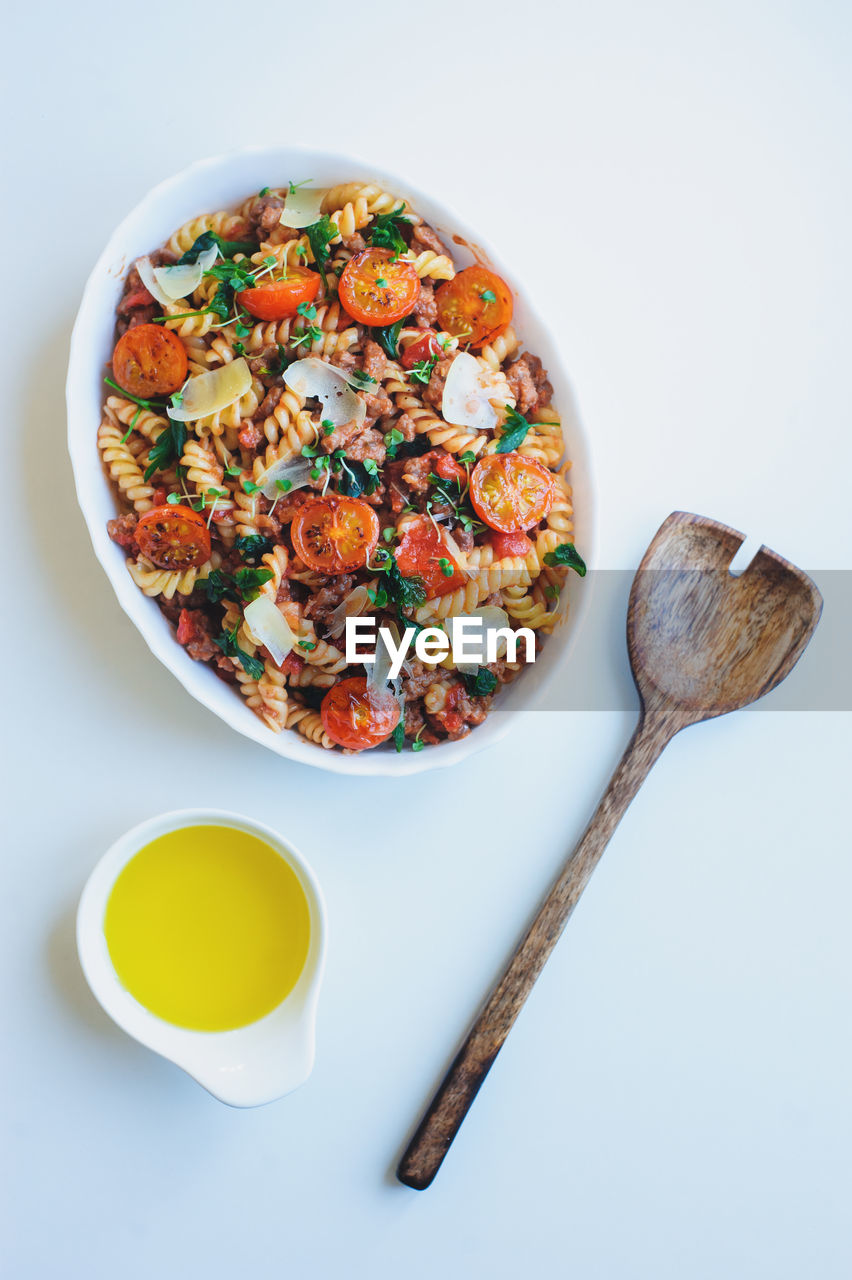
{"x":421,"y":349}
{"x":173,"y":537}
{"x":509,"y":544}
{"x":280,"y":299}
{"x":476,"y":305}
{"x":149,"y":361}
{"x":509,"y":492}
{"x":376,"y":290}
{"x":335,"y":535}
{"x":422,"y":553}
{"x":357,"y":717}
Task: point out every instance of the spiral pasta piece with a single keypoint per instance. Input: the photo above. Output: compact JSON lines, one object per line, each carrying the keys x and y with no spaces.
{"x":309,"y":724}
{"x":123,"y":467}
{"x":229,"y":226}
{"x":152,"y":581}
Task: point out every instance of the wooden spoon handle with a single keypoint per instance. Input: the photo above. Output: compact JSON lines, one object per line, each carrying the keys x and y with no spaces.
{"x":460,"y":1085}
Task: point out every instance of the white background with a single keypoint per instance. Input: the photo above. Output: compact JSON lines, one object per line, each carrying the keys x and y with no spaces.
{"x":674,"y":182}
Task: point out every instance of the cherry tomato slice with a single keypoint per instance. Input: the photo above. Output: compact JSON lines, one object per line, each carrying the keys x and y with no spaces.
{"x":356,"y":717}
{"x":509,"y":544}
{"x":335,"y":535}
{"x":421,"y":349}
{"x":476,"y":305}
{"x":173,"y":537}
{"x":511,"y":493}
{"x":280,"y":299}
{"x":376,"y":290}
{"x":149,"y":360}
{"x":420,"y":554}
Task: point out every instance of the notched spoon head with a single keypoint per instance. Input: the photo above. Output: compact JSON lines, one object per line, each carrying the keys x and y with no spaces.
{"x":704,"y":640}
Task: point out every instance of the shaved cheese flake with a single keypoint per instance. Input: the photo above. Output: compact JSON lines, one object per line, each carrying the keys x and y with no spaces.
{"x":285,"y":475}
{"x":467,"y":395}
{"x":491,"y":619}
{"x":266,"y":626}
{"x":351,"y":606}
{"x":179,"y":281}
{"x":455,"y":551}
{"x":212,"y":392}
{"x":302,"y":207}
{"x":148,"y":277}
{"x":380,"y":669}
{"x":314,"y":377}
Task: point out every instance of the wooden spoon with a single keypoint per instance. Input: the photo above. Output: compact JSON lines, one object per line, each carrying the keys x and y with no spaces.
{"x":701,"y":642}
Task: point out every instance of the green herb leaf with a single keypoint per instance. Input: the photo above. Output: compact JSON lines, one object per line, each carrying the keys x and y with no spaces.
{"x":388,"y":337}
{"x":249,"y":582}
{"x":168,"y":448}
{"x":385,"y":234}
{"x":481,"y":684}
{"x":227,"y":248}
{"x":363,"y":379}
{"x":156,"y":406}
{"x":488,"y":295}
{"x":307,"y":644}
{"x":319,"y":234}
{"x":421,"y":371}
{"x":250,"y":487}
{"x":515,"y":430}
{"x":399,"y":734}
{"x":566,"y":555}
{"x":227,"y":642}
{"x":356,"y":478}
{"x":446,"y":567}
{"x":252,"y":546}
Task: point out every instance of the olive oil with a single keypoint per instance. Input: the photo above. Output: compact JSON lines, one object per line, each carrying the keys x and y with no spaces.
{"x":208,"y":928}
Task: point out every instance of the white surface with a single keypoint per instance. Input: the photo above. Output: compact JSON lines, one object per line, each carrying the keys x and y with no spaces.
{"x":674,"y":1101}
{"x":246,"y":1067}
{"x":222,"y":182}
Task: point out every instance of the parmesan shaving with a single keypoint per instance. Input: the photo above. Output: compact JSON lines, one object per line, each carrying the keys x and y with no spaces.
{"x":468,"y":391}
{"x":266,"y":625}
{"x":208,"y":393}
{"x":314,"y":377}
{"x":302,"y":207}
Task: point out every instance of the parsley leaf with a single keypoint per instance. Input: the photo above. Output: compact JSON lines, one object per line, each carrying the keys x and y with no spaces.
{"x":566,"y":554}
{"x":252,"y":546}
{"x":421,"y":371}
{"x":388,"y":337}
{"x":399,"y":734}
{"x":167,"y":448}
{"x":319,"y":234}
{"x":227,"y":642}
{"x":219,"y":585}
{"x":481,"y":684}
{"x":207,"y":239}
{"x":249,"y":582}
{"x":515,"y":430}
{"x":385,"y":234}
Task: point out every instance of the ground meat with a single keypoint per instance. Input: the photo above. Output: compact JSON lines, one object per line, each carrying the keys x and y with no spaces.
{"x":379,"y":405}
{"x":324,"y":601}
{"x":425,"y":308}
{"x":249,"y":436}
{"x":194,"y":633}
{"x":529,"y":384}
{"x":354,"y":243}
{"x":344,"y":360}
{"x":265,"y":212}
{"x":416,"y":681}
{"x":414,"y":719}
{"x":434,"y":393}
{"x":367,"y":444}
{"x":339,"y":437}
{"x":415,"y":471}
{"x":423,"y":237}
{"x":464,"y":538}
{"x":407,"y":426}
{"x":265,"y":365}
{"x":270,"y":400}
{"x":122,"y":530}
{"x":374,"y":362}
